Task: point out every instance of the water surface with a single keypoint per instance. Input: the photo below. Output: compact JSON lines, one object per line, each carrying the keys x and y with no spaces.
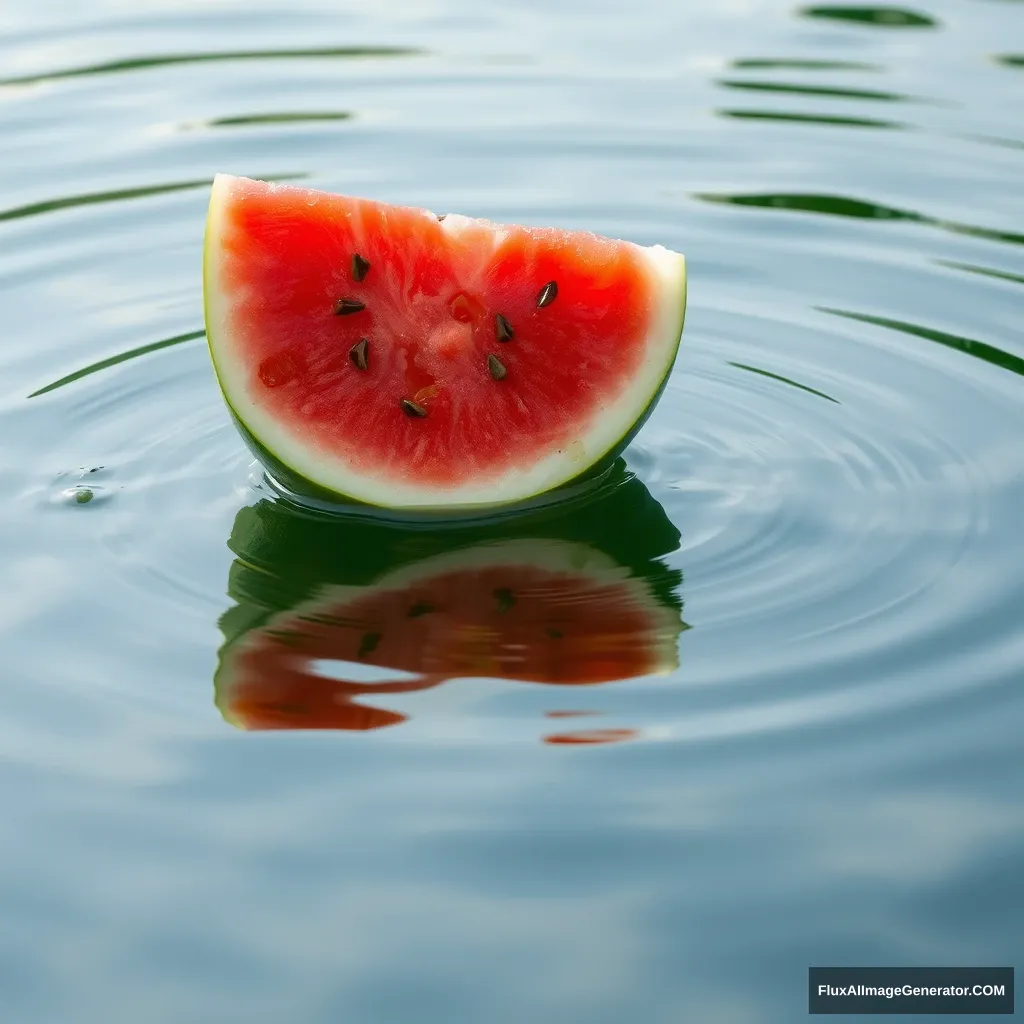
{"x":812,"y":754}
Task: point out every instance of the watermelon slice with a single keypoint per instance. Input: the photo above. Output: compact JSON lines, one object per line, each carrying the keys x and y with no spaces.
{"x":564,"y":596}
{"x":385,"y":355}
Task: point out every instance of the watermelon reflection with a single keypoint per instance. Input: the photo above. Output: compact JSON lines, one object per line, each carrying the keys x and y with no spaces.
{"x":333,"y":613}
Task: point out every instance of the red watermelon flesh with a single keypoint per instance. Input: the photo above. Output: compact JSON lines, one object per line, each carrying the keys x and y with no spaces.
{"x":360,"y":347}
{"x":537,"y":611}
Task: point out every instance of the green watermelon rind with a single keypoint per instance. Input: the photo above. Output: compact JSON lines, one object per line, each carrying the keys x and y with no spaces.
{"x":376,"y":493}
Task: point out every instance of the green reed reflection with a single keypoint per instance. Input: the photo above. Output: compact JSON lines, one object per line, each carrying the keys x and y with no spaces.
{"x":994,"y":140}
{"x":971,"y":268}
{"x":978,"y":349}
{"x":121,"y":195}
{"x":822,"y":119}
{"x":831,"y":92}
{"x":168,"y":59}
{"x":792,"y":64}
{"x":783,"y":380}
{"x":844,"y":206}
{"x":570,"y":595}
{"x":121,"y":357}
{"x":90,"y":198}
{"x":882,"y":17}
{"x":279,"y":118}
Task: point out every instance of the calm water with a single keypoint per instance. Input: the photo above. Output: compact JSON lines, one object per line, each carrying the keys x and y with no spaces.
{"x":830,"y":496}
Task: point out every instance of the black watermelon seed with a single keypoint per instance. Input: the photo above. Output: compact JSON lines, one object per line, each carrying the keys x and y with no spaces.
{"x":547,"y":295}
{"x":360,"y":266}
{"x":368,"y":644}
{"x":505,"y":598}
{"x":359,"y":353}
{"x":288,"y":637}
{"x":420,"y":608}
{"x":411,"y":408}
{"x":345,"y":306}
{"x":503,"y":328}
{"x":441,"y":217}
{"x":497,"y":367}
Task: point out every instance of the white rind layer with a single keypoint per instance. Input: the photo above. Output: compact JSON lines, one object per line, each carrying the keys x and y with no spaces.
{"x":667,"y":270}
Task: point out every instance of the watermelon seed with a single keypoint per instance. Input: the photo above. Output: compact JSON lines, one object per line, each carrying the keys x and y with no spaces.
{"x":547,"y":295}
{"x":420,"y":608}
{"x":497,"y":367}
{"x":368,"y":644}
{"x":288,"y":637}
{"x":555,"y":634}
{"x":441,"y":217}
{"x":503,"y":328}
{"x":410,"y":408}
{"x":360,"y":266}
{"x":505,"y":598}
{"x":345,"y":306}
{"x":358,"y":353}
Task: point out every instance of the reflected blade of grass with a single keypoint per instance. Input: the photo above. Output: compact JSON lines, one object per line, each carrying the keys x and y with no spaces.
{"x":89,"y":198}
{"x":790,"y":64}
{"x":121,"y":357}
{"x":993,"y":140}
{"x":844,"y":206}
{"x":784,"y":380}
{"x":970,"y":268}
{"x":168,"y":59}
{"x":978,"y":349}
{"x":822,"y":119}
{"x":280,"y":118}
{"x":835,"y":206}
{"x":118,"y":195}
{"x":882,"y":17}
{"x":813,"y":90}
{"x":1011,"y":60}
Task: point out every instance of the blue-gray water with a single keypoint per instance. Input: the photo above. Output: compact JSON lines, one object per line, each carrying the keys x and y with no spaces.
{"x":832,"y":775}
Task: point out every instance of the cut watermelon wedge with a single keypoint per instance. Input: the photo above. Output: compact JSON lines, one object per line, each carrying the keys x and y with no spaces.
{"x":382,"y":354}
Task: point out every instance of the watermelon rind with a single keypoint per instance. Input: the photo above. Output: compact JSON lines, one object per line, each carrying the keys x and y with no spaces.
{"x":295,"y":463}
